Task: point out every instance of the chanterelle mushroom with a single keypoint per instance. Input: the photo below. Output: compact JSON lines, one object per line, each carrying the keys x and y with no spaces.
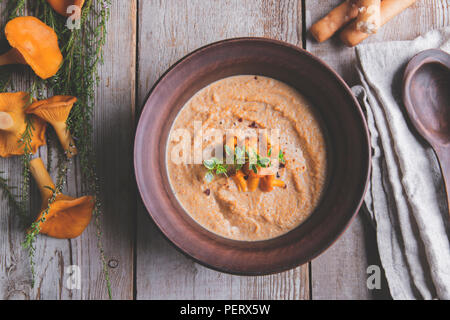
{"x":61,"y":6}
{"x":267,"y":183}
{"x":240,"y":181}
{"x":13,"y":125}
{"x":68,"y":217}
{"x":33,"y":43}
{"x":56,"y":111}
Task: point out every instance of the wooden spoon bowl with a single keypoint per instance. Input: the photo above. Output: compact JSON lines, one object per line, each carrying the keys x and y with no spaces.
{"x":426,"y":96}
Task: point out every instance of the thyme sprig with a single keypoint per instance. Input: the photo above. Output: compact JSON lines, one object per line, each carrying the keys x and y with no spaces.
{"x":25,"y":142}
{"x":83,"y":52}
{"x":8,"y":194}
{"x":78,"y":76}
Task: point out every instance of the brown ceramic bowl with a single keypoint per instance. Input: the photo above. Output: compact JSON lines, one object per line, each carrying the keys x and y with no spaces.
{"x":348,"y":142}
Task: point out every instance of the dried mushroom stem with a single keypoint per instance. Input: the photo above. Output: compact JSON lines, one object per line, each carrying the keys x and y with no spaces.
{"x":351,"y":36}
{"x":369,"y":16}
{"x":326,"y":27}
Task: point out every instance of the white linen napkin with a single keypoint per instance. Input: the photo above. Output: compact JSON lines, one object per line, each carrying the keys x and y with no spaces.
{"x":406,"y":198}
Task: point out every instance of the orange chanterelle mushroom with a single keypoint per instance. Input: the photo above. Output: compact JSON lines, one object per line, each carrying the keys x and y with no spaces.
{"x":13,"y":125}
{"x":260,"y":174}
{"x":267,"y":183}
{"x":67,"y":217}
{"x":33,"y":43}
{"x":61,"y":6}
{"x":239,"y":179}
{"x":56,"y":111}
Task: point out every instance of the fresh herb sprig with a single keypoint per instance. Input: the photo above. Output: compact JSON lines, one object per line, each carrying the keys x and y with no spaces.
{"x":214,"y":166}
{"x":262,"y":162}
{"x":241,"y":156}
{"x":25,"y":142}
{"x":11,"y":197}
{"x":83,"y":53}
{"x":78,"y":76}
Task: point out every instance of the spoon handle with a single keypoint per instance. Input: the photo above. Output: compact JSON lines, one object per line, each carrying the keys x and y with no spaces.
{"x":443,"y":154}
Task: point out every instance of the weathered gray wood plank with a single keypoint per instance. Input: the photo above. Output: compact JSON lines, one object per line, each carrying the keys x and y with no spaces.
{"x":167,"y":31}
{"x":114,"y":134}
{"x":114,"y":131}
{"x":340,"y":273}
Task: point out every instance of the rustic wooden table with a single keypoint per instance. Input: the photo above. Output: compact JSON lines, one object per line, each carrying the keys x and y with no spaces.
{"x":145,"y":38}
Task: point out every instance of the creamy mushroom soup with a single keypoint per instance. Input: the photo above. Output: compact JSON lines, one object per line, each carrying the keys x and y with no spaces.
{"x":245,"y":201}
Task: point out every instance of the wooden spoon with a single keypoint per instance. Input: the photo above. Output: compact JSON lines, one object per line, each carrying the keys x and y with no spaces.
{"x":426,"y":95}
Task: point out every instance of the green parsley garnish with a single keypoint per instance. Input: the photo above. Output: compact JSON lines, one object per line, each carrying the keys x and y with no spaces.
{"x":214,"y":165}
